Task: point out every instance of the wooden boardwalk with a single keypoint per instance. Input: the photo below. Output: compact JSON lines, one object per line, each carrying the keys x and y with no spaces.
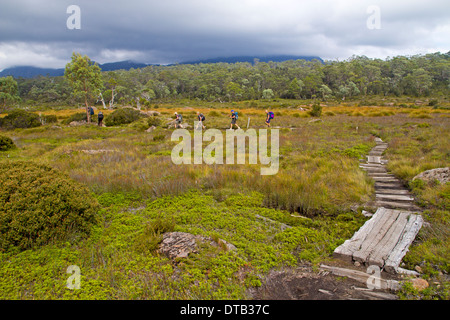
{"x":385,"y":238}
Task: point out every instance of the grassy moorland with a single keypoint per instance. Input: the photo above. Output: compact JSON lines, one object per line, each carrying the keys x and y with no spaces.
{"x":319,"y":191}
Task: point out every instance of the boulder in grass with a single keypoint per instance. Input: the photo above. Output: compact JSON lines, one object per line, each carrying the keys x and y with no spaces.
{"x":440,"y":174}
{"x":181,"y":244}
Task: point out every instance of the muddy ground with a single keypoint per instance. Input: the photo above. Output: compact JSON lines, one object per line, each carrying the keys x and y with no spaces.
{"x":303,"y":283}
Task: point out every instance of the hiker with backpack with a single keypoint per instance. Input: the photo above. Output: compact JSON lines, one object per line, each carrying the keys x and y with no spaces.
{"x":178,"y":120}
{"x":201,"y":118}
{"x":100,"y":119}
{"x":270,"y":116}
{"x":234,"y":117}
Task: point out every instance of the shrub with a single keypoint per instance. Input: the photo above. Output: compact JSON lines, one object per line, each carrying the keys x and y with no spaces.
{"x":433,"y":103}
{"x":20,"y":119}
{"x":214,"y":113}
{"x":123,"y":116}
{"x":78,"y":117}
{"x":40,"y":205}
{"x":316,"y":110}
{"x":6,"y":143}
{"x":49,"y":119}
{"x":154,"y":121}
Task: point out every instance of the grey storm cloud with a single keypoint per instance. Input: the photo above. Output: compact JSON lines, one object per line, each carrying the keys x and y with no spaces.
{"x":35,"y":32}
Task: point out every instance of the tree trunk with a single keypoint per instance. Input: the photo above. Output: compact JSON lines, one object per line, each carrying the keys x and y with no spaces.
{"x":102,"y":100}
{"x":86,"y":103}
{"x":111,"y":102}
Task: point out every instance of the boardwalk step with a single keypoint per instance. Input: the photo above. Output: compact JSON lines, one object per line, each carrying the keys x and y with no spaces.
{"x":393,"y":191}
{"x":381,"y":175}
{"x":396,"y":205}
{"x":374,"y":169}
{"x":390,"y":197}
{"x":385,"y":179}
{"x":389,"y":185}
{"x":383,"y":240}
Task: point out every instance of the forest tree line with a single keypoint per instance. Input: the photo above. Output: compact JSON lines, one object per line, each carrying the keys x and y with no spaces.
{"x":420,"y":75}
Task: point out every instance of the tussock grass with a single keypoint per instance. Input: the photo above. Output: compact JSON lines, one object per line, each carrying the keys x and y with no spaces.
{"x":142,"y":192}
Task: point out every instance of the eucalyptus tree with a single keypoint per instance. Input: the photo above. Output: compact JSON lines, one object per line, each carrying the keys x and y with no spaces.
{"x":85,"y":78}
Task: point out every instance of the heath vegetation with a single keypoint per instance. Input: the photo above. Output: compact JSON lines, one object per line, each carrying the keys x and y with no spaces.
{"x":101,"y":198}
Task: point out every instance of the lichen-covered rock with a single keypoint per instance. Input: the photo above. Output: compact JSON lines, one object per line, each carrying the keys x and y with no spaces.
{"x":440,"y":174}
{"x":181,"y":244}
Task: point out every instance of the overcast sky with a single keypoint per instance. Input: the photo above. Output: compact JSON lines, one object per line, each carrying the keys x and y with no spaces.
{"x":35,"y":32}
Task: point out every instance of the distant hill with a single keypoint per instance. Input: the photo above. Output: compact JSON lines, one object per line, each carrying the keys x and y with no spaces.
{"x":251,"y":59}
{"x":32,"y":72}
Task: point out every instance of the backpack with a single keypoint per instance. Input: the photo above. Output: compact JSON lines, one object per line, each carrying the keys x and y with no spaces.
{"x":100,"y":115}
{"x":271,"y":115}
{"x":236,"y":114}
{"x":91,"y":111}
{"x":202,"y":117}
{"x":180,"y":117}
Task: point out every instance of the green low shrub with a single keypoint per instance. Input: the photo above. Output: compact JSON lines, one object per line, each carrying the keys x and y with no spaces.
{"x":49,"y":119}
{"x":316,"y":110}
{"x":40,"y":205}
{"x":20,"y":119}
{"x":123,"y":116}
{"x":78,"y":117}
{"x":154,"y":121}
{"x":6,"y":143}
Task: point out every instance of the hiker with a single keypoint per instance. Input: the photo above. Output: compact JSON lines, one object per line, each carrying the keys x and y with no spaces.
{"x":270,"y":116}
{"x":201,"y":118}
{"x":178,"y":120}
{"x":100,"y":119}
{"x":234,"y":117}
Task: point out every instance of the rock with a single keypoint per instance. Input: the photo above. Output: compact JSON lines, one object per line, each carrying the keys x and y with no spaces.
{"x":418,"y":269}
{"x":367,"y":214}
{"x":81,"y":123}
{"x":440,"y":174}
{"x":97,"y":151}
{"x":151,"y":113}
{"x":181,"y":244}
{"x":150,"y":129}
{"x":185,"y":126}
{"x":77,"y":123}
{"x":419,"y":284}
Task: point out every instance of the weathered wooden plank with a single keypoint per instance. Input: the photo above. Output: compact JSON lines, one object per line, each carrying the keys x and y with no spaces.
{"x":389,"y":241}
{"x":389,"y":185}
{"x":412,"y":228}
{"x":372,"y":165}
{"x":393,"y":191}
{"x":396,"y":205}
{"x":376,"y":234}
{"x":385,"y":179}
{"x":345,"y":251}
{"x":363,"y":277}
{"x":374,"y":170}
{"x":373,"y":159}
{"x":380,"y":174}
{"x":394,"y":197}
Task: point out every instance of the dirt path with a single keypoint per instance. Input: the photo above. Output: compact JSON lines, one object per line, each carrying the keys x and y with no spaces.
{"x":303,"y":283}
